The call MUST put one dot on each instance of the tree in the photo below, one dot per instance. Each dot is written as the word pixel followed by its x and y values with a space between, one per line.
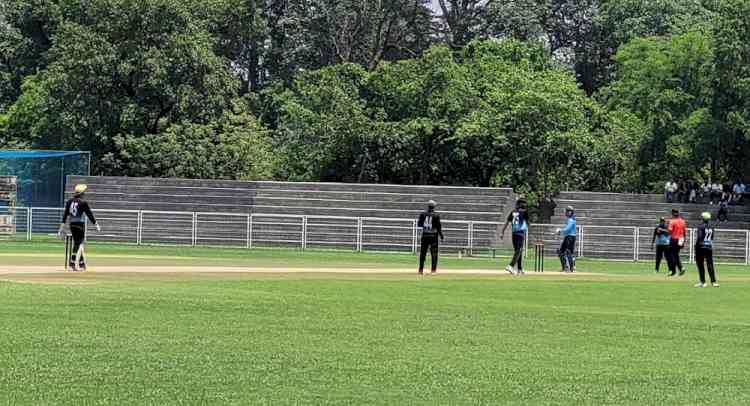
pixel 116 72
pixel 462 19
pixel 668 84
pixel 586 34
pixel 326 131
pixel 313 34
pixel 732 101
pixel 234 146
pixel 241 31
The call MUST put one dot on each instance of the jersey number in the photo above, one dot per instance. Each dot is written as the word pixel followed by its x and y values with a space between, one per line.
pixel 709 236
pixel 516 219
pixel 427 224
pixel 74 209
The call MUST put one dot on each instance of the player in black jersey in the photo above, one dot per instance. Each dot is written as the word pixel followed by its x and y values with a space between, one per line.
pixel 77 209
pixel 429 223
pixel 704 252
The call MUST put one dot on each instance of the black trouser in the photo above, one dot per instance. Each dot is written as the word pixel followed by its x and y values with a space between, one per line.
pixel 429 242
pixel 723 215
pixel 707 255
pixel 78 230
pixel 673 259
pixel 661 252
pixel 567 250
pixel 518 240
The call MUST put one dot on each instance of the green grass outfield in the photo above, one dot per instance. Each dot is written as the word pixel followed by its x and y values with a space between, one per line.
pixel 616 335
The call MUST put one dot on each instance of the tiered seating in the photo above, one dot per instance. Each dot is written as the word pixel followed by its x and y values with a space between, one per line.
pixel 283 210
pixel 620 226
pixel 642 210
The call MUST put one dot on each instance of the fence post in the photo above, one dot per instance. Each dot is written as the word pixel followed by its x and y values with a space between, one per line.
pixel 247 231
pixel 414 237
pixel 195 228
pixel 469 242
pixel 580 242
pixel 304 232
pixel 747 247
pixel 637 244
pixel 139 228
pixel 359 234
pixel 250 231
pixel 29 222
pixel 691 256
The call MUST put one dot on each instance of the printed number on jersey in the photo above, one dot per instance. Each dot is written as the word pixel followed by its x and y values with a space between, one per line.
pixel 427 226
pixel 74 209
pixel 709 236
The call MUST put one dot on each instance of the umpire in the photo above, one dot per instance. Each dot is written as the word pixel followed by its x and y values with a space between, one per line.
pixel 429 222
pixel 77 209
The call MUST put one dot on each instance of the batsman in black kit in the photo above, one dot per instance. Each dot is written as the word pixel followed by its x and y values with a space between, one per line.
pixel 76 209
pixel 429 222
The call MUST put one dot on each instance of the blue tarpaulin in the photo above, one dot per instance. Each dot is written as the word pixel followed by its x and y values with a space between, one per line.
pixel 28 154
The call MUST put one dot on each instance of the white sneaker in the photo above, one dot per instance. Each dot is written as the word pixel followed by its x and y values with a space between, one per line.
pixel 510 270
pixel 715 284
pixel 521 272
pixel 700 285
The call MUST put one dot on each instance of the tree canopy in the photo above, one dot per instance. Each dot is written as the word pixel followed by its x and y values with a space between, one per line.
pixel 541 95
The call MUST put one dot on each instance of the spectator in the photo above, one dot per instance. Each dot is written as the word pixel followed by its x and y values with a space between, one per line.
pixel 682 192
pixel 705 191
pixel 716 191
pixel 723 214
pixel 670 188
pixel 692 198
pixel 737 191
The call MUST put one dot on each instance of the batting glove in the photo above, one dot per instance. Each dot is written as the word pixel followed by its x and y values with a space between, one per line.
pixel 98 227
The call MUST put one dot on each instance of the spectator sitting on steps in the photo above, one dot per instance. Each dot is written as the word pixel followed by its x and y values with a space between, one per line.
pixel 723 214
pixel 737 191
pixel 705 191
pixel 716 191
pixel 670 188
pixel 693 192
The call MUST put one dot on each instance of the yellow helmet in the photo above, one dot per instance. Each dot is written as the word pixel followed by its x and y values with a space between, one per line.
pixel 706 216
pixel 81 189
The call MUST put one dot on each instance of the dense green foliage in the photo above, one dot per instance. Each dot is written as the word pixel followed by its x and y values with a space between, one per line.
pixel 541 95
pixel 616 337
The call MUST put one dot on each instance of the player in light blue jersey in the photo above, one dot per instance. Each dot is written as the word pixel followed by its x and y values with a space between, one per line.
pixel 568 247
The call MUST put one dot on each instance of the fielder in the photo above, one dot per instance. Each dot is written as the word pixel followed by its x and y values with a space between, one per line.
pixel 429 222
pixel 568 247
pixel 75 209
pixel 519 221
pixel 661 238
pixel 704 255
pixel 677 231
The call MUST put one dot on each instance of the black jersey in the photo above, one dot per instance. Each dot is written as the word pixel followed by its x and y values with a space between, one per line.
pixel 429 222
pixel 705 237
pixel 76 208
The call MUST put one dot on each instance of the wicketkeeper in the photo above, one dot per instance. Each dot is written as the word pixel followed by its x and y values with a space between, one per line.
pixel 75 209
pixel 568 247
pixel 429 222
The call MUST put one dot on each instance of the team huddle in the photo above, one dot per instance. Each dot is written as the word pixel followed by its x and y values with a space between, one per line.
pixel 668 237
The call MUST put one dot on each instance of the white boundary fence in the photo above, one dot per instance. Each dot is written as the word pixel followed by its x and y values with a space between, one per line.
pixel 143 227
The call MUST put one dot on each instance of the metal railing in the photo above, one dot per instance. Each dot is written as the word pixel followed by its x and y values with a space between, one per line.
pixel 144 227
